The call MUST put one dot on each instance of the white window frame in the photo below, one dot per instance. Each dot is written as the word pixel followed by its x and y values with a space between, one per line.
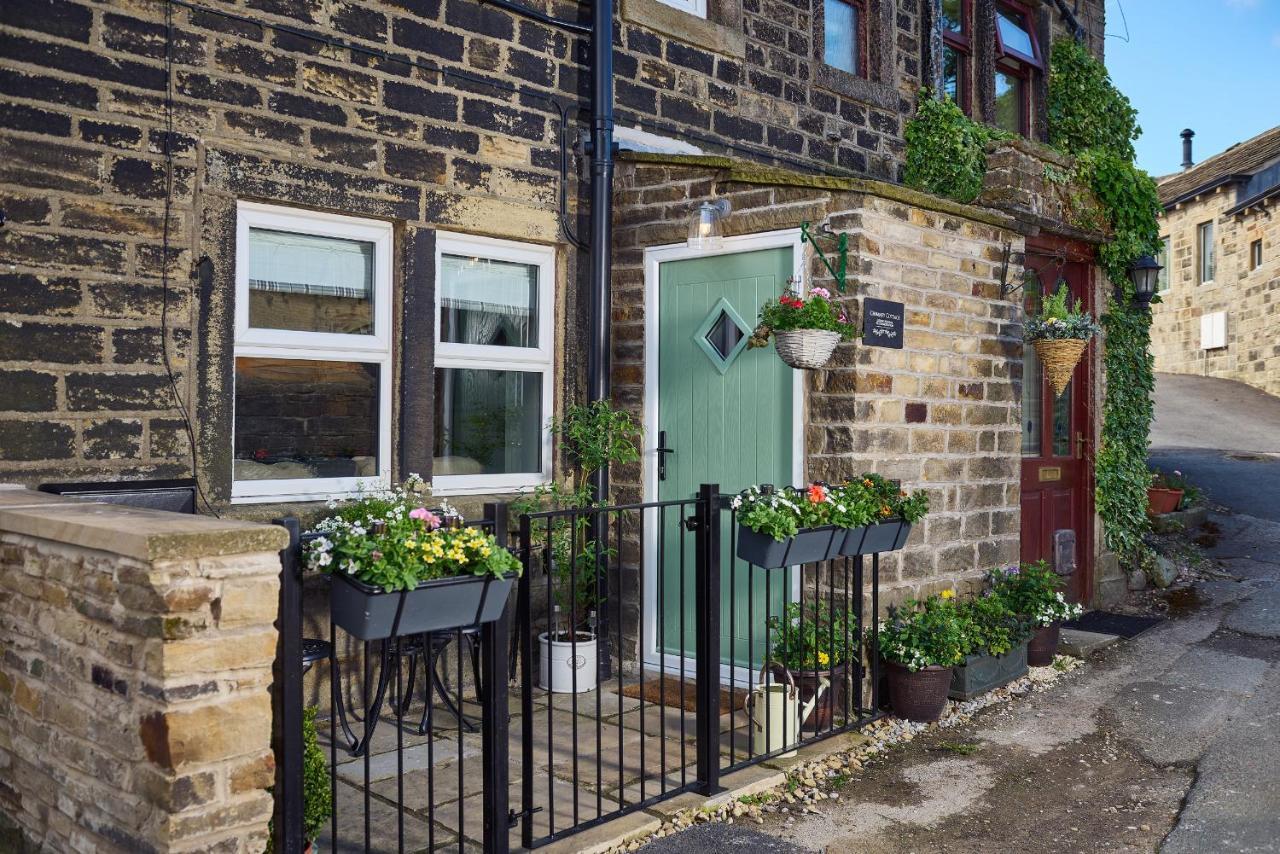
pixel 1166 254
pixel 540 359
pixel 697 8
pixel 317 346
pixel 1209 253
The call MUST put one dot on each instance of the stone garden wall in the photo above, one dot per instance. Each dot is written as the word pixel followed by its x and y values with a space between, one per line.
pixel 135 705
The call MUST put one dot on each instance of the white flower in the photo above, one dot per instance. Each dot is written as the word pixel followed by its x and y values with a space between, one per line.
pixel 324 559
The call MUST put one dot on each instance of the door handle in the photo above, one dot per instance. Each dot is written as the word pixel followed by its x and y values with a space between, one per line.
pixel 1081 441
pixel 663 450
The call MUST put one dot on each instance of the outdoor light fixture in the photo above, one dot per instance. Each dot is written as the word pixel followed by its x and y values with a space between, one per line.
pixel 706 229
pixel 1145 275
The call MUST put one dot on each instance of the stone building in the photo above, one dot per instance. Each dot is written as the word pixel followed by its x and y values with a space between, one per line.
pixel 1220 290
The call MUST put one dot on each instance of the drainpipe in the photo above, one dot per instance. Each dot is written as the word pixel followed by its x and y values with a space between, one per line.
pixel 598 356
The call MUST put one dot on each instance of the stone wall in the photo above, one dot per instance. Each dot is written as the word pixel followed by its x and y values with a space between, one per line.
pixel 135 706
pixel 942 414
pixel 1250 297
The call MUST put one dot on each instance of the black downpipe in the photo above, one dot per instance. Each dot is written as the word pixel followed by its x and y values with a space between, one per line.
pixel 601 241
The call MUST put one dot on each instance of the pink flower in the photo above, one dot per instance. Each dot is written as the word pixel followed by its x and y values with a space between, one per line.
pixel 844 318
pixel 820 292
pixel 431 520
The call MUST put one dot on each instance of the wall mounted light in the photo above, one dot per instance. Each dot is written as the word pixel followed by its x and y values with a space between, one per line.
pixel 706 229
pixel 1145 275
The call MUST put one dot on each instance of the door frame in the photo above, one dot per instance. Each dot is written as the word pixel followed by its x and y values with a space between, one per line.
pixel 654 257
pixel 1076 251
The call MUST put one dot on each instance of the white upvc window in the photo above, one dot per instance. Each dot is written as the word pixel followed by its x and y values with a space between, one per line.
pixel 312 381
pixel 494 353
pixel 697 8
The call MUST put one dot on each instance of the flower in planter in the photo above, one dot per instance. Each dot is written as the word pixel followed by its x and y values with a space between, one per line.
pixel 920 634
pixel 791 312
pixel 1057 320
pixel 1032 592
pixel 820 636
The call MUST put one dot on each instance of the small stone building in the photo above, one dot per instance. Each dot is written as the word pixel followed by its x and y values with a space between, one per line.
pixel 1220 291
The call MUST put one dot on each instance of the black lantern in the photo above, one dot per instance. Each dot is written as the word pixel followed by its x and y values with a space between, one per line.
pixel 1145 275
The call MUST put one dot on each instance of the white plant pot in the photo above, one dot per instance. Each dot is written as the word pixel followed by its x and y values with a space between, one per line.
pixel 560 660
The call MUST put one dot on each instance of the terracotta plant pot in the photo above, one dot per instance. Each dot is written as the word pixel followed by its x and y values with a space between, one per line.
pixel 919 696
pixel 1163 500
pixel 1043 645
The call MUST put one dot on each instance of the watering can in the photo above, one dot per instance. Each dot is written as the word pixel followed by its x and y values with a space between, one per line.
pixel 776 714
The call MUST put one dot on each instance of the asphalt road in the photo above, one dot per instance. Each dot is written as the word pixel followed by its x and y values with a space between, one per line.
pixel 1224 436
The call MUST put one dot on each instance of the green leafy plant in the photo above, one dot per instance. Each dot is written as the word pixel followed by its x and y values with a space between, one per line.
pixel 1033 591
pixel 387 539
pixel 946 150
pixel 815 637
pixel 991 627
pixel 1058 319
pixel 317 794
pixel 1085 110
pixel 920 634
pixel 1175 479
pixel 790 312
pixel 781 513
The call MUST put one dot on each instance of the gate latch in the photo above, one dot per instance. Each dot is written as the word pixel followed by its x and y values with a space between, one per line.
pixel 692 523
pixel 514 816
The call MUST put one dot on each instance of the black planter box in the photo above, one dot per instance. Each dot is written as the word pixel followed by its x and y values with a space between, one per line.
pixel 369 613
pixel 880 537
pixel 807 546
pixel 982 673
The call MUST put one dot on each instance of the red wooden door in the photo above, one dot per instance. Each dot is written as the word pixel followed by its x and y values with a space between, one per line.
pixel 1057 431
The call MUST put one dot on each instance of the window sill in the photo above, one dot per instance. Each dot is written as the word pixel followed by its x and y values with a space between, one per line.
pixel 689 28
pixel 856 88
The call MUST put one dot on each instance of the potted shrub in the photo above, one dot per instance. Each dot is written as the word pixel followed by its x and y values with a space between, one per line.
pixel 812 646
pixel 1168 492
pixel 593 436
pixel 1059 333
pixel 401 569
pixel 920 642
pixel 880 516
pixel 1033 591
pixel 997 642
pixel 317 795
pixel 805 329
pixel 785 527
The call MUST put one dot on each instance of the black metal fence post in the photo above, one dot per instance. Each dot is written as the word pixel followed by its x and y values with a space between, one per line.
pixel 707 643
pixel 289 807
pixel 524 610
pixel 495 716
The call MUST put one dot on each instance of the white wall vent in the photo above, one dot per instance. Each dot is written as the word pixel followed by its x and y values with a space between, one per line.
pixel 1213 330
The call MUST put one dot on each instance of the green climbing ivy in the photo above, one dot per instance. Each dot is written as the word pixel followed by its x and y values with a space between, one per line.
pixel 946 150
pixel 1085 110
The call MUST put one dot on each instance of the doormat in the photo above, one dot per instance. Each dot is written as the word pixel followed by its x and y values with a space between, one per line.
pixel 666 691
pixel 1106 623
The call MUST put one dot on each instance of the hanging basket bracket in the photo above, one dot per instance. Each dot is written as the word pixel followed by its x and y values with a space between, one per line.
pixel 841 251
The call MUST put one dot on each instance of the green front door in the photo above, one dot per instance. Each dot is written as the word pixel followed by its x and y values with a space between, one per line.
pixel 726 413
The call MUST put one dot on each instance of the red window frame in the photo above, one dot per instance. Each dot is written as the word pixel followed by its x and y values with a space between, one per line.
pixel 1015 63
pixel 962 44
pixel 1023 73
pixel 860 38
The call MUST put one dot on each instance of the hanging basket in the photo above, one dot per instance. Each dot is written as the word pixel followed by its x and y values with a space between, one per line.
pixel 1059 357
pixel 806 349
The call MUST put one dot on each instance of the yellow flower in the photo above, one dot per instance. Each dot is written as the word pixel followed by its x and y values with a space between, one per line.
pixel 948 594
pixel 824 659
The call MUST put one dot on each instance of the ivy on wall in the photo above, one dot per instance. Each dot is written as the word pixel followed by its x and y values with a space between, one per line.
pixel 1094 122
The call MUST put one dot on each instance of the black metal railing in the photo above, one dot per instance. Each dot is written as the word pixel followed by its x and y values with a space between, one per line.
pixel 397 764
pixel 681 708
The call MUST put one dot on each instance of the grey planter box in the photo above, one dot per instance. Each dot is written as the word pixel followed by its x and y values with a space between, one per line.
pixel 369 613
pixel 880 537
pixel 809 545
pixel 982 673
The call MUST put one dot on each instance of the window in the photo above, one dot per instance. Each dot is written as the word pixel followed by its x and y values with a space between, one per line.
pixel 844 25
pixel 1204 250
pixel 1017 59
pixel 493 378
pixel 312 381
pixel 1162 258
pixel 1255 254
pixel 956 50
pixel 693 7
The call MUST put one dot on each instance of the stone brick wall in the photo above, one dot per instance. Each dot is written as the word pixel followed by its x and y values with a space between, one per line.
pixel 1250 297
pixel 135 707
pixel 942 414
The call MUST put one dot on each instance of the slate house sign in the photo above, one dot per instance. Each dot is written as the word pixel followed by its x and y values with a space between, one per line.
pixel 882 323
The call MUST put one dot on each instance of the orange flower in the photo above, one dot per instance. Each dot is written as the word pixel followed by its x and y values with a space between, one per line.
pixel 817 494
pixel 866 481
pixel 885 511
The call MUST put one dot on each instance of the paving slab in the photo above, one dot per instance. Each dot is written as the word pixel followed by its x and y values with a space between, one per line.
pixel 1215 670
pixel 1169 724
pixel 719 838
pixel 1081 644
pixel 1259 614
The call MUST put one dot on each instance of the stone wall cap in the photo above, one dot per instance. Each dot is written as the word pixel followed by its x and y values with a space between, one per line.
pixel 138 532
pixel 14 495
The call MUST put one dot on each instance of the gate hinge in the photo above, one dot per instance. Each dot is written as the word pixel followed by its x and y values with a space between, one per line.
pixel 514 816
pixel 692 523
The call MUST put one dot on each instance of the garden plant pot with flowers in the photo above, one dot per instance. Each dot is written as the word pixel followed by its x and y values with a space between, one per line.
pixel 401 569
pixel 920 642
pixel 805 330
pixel 1059 335
pixel 1166 493
pixel 1033 591
pixel 996 644
pixel 788 526
pixel 810 649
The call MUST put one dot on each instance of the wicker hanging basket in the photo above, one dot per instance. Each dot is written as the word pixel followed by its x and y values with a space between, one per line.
pixel 806 349
pixel 1060 357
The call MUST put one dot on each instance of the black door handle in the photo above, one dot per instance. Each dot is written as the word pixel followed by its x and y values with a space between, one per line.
pixel 663 450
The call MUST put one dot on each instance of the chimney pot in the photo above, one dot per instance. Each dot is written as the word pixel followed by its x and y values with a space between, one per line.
pixel 1187 162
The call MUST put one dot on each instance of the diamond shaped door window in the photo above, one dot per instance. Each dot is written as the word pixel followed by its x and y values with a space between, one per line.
pixel 722 335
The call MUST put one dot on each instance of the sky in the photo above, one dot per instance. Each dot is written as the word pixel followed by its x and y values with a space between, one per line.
pixel 1209 65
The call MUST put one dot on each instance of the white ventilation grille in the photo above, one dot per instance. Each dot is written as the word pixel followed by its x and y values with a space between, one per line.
pixel 1213 330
